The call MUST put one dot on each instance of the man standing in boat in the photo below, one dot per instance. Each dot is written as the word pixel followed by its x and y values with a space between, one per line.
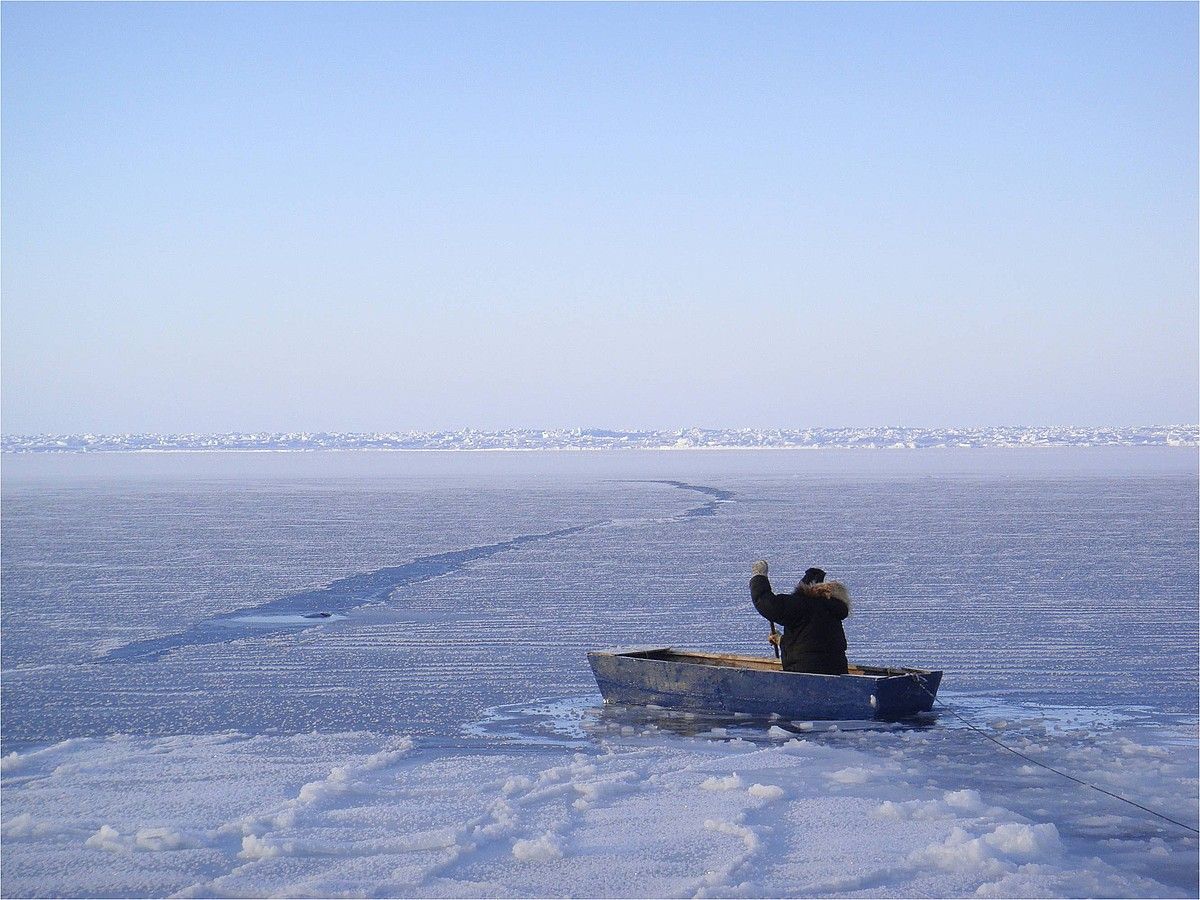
pixel 811 616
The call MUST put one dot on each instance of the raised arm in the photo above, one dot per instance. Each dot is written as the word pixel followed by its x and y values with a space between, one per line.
pixel 769 605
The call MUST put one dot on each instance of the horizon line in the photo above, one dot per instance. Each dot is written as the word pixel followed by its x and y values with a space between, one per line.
pixel 604 429
pixel 845 437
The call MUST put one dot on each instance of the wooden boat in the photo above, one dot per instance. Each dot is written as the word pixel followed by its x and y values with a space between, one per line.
pixel 758 686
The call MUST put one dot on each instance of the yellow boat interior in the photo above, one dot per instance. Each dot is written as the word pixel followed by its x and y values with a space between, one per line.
pixel 746 661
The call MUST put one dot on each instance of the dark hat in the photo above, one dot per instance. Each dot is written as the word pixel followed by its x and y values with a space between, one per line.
pixel 814 576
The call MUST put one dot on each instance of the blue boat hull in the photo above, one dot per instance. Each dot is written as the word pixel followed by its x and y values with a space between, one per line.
pixel 758 686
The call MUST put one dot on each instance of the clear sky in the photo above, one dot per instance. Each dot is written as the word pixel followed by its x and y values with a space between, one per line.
pixel 378 217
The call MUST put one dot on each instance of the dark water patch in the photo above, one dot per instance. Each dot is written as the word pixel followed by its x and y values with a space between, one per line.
pixel 341 597
pixel 338 598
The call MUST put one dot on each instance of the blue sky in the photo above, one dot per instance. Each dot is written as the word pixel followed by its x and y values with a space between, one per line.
pixel 377 216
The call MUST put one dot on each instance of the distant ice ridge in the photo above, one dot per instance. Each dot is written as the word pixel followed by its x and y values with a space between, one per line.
pixel 874 438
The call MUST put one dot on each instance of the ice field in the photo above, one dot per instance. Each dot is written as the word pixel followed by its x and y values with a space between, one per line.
pixel 174 723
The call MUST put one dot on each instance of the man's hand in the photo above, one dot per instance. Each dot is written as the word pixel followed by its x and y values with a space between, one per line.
pixel 774 638
pixel 759 568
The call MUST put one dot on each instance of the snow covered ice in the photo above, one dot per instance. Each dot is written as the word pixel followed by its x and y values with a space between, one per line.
pixel 173 725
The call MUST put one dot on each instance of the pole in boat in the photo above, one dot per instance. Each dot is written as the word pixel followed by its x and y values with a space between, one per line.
pixel 760 568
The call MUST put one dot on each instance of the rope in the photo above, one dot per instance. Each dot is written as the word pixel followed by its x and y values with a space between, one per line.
pixel 1050 768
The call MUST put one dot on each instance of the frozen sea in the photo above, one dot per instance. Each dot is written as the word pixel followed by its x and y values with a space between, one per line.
pixel 173 724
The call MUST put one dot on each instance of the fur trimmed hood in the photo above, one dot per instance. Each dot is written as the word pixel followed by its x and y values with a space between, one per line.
pixel 834 590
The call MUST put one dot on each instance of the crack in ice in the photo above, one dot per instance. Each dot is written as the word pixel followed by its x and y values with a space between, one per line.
pixel 346 594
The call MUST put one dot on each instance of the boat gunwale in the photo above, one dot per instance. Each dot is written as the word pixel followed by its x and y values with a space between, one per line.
pixel 698 657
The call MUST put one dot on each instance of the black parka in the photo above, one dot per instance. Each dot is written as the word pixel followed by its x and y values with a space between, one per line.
pixel 813 639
